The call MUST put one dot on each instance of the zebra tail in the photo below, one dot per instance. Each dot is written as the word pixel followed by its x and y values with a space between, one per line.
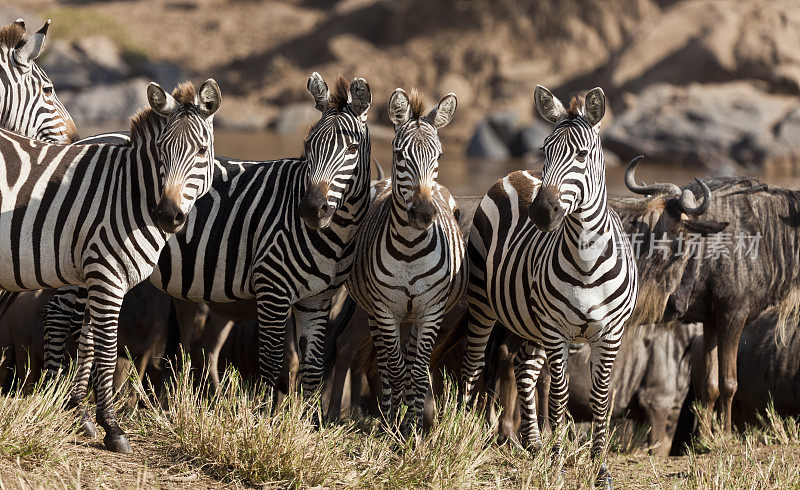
pixel 7 298
pixel 336 326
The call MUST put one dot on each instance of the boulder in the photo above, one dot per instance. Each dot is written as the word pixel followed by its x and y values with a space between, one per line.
pixel 294 118
pixel 103 104
pixel 65 66
pixel 486 144
pixel 103 57
pixel 529 139
pixel 722 127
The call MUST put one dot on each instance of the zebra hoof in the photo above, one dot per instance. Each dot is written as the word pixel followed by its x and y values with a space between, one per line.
pixel 604 479
pixel 88 428
pixel 117 443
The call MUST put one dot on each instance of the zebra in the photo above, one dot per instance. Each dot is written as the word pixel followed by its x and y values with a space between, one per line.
pixel 278 232
pixel 99 215
pixel 409 260
pixel 28 103
pixel 549 260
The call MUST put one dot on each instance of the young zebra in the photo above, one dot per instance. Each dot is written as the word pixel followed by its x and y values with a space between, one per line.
pixel 99 216
pixel 28 104
pixel 409 254
pixel 278 232
pixel 549 260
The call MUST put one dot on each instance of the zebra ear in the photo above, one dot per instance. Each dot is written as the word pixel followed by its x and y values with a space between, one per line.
pixel 443 112
pixel 360 96
pixel 399 107
pixel 210 98
pixel 161 101
pixel 20 23
pixel 595 105
pixel 33 47
pixel 319 90
pixel 548 104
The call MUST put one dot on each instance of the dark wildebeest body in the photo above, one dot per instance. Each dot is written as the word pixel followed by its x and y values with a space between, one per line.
pixel 758 268
pixel 144 331
pixel 767 370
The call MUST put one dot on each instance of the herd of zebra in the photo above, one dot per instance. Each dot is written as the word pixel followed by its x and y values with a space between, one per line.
pixel 546 256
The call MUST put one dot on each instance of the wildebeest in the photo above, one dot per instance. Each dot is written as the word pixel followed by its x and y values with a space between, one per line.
pixel 767 370
pixel 728 277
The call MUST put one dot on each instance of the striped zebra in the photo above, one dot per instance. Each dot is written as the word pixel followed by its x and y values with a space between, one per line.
pixel 99 216
pixel 277 232
pixel 28 103
pixel 409 254
pixel 550 261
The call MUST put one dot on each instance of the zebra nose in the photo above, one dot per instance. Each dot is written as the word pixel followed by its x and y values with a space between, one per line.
pixel 169 216
pixel 421 214
pixel 545 210
pixel 314 208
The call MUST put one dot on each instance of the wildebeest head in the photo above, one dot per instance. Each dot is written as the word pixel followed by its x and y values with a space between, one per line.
pixel 664 227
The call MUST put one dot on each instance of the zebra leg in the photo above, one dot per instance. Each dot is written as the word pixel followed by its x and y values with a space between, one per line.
pixel 103 307
pixel 481 322
pixel 385 334
pixel 557 355
pixel 600 363
pixel 310 319
pixel 62 316
pixel 273 313
pixel 527 365
pixel 426 333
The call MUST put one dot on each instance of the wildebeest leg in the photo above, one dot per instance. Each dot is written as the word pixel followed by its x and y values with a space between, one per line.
pixel 709 391
pixel 543 395
pixel 506 390
pixel 216 331
pixel 291 356
pixel 344 358
pixel 527 365
pixel 730 331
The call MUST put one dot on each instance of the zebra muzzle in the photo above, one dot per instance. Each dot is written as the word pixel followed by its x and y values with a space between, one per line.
pixel 545 210
pixel 169 216
pixel 314 208
pixel 421 213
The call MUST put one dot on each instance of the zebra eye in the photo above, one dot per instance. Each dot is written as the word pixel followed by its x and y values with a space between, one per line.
pixel 202 151
pixel 582 155
pixel 398 154
pixel 47 90
pixel 352 148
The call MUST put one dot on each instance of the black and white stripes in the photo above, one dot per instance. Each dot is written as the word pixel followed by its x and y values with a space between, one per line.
pixel 28 103
pixel 549 260
pixel 92 215
pixel 409 262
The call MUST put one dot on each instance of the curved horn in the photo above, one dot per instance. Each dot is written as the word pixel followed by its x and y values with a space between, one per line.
pixel 689 204
pixel 647 190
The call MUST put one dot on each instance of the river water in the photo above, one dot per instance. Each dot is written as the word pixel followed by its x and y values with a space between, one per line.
pixel 461 175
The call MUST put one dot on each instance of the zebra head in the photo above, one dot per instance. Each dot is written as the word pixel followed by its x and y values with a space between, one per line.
pixel 574 170
pixel 336 146
pixel 416 152
pixel 29 105
pixel 185 148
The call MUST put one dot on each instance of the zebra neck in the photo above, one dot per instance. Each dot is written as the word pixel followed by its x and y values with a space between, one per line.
pixel 355 202
pixel 589 228
pixel 400 230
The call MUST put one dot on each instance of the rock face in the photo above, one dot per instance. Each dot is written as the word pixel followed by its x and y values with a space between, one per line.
pixel 722 127
pixel 114 103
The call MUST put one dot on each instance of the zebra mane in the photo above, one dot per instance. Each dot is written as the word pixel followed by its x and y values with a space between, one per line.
pixel 575 106
pixel 340 95
pixel 12 35
pixel 416 103
pixel 147 118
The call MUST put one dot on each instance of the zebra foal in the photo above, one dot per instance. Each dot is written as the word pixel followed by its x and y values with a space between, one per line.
pixel 99 215
pixel 550 261
pixel 409 260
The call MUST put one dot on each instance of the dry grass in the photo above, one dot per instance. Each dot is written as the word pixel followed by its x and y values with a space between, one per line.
pixel 236 437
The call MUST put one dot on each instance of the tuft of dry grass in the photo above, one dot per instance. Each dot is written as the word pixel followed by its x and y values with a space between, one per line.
pixel 34 427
